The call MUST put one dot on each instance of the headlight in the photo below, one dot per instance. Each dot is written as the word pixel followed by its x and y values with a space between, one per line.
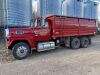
pixel 19 32
pixel 6 32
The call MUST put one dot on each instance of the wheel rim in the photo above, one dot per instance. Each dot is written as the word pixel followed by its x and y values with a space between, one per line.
pixel 76 44
pixel 22 51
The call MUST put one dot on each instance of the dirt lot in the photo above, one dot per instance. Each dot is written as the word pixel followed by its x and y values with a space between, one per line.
pixel 5 55
pixel 63 61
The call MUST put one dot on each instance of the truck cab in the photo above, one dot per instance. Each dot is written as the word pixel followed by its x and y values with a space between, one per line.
pixel 41 29
pixel 21 40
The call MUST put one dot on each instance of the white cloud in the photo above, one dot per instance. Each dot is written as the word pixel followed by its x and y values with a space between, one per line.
pixel 34 5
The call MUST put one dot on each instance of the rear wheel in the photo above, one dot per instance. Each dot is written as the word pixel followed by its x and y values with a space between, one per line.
pixel 84 42
pixel 20 50
pixel 75 43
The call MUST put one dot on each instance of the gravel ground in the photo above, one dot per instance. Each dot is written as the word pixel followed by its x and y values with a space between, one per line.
pixel 62 61
pixel 5 55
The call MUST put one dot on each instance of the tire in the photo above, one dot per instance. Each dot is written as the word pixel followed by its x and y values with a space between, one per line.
pixel 20 50
pixel 75 43
pixel 84 42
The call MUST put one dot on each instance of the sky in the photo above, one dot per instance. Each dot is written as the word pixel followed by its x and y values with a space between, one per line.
pixel 34 5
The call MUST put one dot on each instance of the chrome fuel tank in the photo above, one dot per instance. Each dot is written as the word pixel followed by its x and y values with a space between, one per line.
pixel 45 46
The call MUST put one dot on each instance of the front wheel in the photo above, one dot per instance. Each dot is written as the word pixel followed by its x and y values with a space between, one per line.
pixel 20 50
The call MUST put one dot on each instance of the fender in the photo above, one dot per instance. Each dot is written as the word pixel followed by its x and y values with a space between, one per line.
pixel 29 40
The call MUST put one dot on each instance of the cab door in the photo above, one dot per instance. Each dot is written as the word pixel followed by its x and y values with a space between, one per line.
pixel 42 31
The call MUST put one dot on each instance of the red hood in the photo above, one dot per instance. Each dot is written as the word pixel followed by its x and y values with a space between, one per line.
pixel 20 30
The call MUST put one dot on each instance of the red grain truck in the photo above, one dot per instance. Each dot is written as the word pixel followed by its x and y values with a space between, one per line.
pixel 49 33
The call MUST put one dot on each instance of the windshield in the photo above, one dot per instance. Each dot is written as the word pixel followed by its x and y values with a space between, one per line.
pixel 32 23
pixel 39 23
pixel 42 23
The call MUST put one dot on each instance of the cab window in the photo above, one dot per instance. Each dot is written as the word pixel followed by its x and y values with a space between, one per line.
pixel 46 23
pixel 39 23
pixel 42 23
